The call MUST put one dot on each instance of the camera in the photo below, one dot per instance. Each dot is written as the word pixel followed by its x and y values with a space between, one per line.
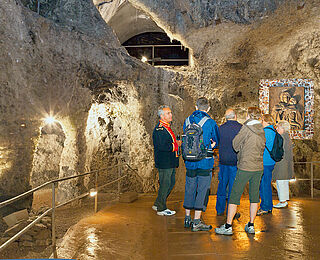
pixel 210 153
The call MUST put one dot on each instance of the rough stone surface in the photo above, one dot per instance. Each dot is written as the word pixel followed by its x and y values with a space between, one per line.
pixel 49 150
pixel 38 235
pixel 185 15
pixel 67 62
pixel 42 73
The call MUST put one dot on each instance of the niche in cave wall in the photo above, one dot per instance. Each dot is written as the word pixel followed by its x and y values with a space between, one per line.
pixel 46 161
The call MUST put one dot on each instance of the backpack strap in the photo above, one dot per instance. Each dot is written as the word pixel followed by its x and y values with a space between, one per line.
pixel 188 121
pixel 203 120
pixel 252 131
pixel 271 129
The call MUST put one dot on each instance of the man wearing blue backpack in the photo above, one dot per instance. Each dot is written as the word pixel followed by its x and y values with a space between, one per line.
pixel 197 153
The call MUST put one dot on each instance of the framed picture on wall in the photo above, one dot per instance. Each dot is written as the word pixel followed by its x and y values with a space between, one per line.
pixel 291 100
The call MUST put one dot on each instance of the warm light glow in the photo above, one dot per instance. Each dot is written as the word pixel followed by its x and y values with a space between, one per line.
pixel 5 162
pixel 92 243
pixel 144 59
pixel 93 192
pixel 293 180
pixel 49 120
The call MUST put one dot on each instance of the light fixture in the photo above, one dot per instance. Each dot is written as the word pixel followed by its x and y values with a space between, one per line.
pixel 144 59
pixel 93 192
pixel 49 120
pixel 293 180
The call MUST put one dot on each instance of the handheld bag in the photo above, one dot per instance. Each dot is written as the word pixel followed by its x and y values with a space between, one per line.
pixel 277 151
pixel 193 148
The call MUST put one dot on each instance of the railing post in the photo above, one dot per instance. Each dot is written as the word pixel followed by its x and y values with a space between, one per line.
pixel 311 180
pixel 96 196
pixel 152 55
pixel 119 182
pixel 53 224
pixel 38 7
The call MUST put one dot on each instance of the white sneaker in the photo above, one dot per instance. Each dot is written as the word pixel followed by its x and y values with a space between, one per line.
pixel 250 229
pixel 281 205
pixel 223 230
pixel 154 207
pixel 166 212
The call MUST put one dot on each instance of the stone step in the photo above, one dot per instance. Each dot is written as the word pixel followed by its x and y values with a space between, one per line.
pixel 128 197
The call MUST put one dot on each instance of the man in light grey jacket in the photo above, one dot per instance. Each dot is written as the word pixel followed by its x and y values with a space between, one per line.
pixel 249 144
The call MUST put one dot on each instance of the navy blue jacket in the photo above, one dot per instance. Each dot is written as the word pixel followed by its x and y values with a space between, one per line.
pixel 165 152
pixel 210 131
pixel 227 155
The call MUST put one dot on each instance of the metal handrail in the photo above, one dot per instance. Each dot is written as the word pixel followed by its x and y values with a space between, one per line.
pixel 306 162
pixel 9 201
pixel 53 183
pixel 311 175
pixel 153 46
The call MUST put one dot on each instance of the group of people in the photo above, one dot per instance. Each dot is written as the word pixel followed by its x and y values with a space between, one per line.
pixel 244 157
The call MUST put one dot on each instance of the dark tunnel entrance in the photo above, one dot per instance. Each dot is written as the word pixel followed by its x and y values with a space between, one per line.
pixel 157 49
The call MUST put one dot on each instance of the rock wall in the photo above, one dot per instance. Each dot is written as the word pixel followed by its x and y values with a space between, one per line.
pixel 67 62
pixel 231 54
pixel 46 159
pixel 60 67
pixel 184 15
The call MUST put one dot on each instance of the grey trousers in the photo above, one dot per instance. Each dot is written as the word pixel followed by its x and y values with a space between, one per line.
pixel 167 179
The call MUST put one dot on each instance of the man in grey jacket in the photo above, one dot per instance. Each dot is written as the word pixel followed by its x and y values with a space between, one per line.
pixel 249 144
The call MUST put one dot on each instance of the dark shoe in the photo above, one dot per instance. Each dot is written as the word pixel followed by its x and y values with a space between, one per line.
pixel 263 212
pixel 200 226
pixel 187 222
pixel 237 215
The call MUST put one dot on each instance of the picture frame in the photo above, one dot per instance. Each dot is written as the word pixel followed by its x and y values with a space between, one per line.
pixel 291 100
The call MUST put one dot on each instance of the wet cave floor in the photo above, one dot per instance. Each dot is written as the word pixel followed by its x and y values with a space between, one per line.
pixel 135 231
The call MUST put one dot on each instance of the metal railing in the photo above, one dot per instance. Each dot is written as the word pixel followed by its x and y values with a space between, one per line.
pixel 53 184
pixel 158 59
pixel 312 179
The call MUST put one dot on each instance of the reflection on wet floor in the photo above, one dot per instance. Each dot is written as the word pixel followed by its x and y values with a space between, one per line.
pixel 134 231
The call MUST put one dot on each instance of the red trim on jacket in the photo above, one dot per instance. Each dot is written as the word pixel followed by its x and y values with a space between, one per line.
pixel 168 128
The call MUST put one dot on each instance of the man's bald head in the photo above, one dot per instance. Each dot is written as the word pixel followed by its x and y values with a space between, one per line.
pixel 230 114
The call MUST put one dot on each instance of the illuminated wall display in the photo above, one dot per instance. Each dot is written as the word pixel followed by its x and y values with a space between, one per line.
pixel 291 100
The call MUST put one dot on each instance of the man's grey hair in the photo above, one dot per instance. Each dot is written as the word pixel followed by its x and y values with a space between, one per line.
pixel 203 104
pixel 231 114
pixel 285 125
pixel 160 110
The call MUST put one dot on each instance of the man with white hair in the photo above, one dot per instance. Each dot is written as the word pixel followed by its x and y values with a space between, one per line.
pixel 227 160
pixel 166 159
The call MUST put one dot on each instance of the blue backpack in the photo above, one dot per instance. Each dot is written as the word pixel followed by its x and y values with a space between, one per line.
pixel 193 148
